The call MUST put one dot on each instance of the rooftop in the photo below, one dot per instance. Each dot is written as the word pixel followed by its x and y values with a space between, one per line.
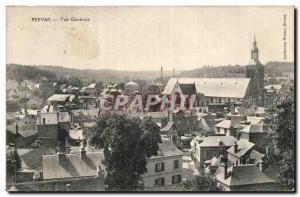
pixel 243 146
pixel 73 166
pixel 214 141
pixel 243 175
pixel 213 87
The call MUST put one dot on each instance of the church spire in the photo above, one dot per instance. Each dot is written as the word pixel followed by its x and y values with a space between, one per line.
pixel 254 51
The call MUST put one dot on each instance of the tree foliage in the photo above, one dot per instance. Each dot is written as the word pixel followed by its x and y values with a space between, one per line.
pixel 127 143
pixel 281 119
pixel 202 183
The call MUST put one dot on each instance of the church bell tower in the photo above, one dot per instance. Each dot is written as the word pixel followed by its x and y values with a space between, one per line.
pixel 255 71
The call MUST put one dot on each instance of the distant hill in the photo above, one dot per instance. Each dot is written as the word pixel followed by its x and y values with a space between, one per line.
pixel 271 68
pixel 20 73
pixel 36 73
pixel 104 75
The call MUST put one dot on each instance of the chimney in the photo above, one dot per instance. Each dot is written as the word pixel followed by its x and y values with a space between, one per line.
pixel 224 167
pixel 220 142
pixel 232 109
pixel 83 149
pixel 237 136
pixel 235 147
pixel 17 129
pixel 61 157
pixel 161 74
pixel 261 165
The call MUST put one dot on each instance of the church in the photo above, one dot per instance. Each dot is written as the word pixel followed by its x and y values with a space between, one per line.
pixel 255 71
pixel 213 94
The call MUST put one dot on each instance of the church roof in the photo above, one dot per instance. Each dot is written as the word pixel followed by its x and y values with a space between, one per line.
pixel 213 87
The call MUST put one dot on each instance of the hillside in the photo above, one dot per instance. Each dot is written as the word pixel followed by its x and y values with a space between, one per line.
pixel 37 73
pixel 105 76
pixel 20 73
pixel 271 68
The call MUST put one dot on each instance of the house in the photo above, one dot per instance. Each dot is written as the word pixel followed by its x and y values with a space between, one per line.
pixel 21 135
pixel 47 127
pixel 83 116
pixel 82 171
pixel 87 102
pixel 228 127
pixel 131 87
pixel 242 153
pixel 19 93
pixel 212 146
pixel 186 121
pixel 63 101
pixel 255 133
pixel 244 178
pixel 91 89
pixel 31 160
pixel 34 103
pixel 171 131
pixel 64 120
pixel 164 171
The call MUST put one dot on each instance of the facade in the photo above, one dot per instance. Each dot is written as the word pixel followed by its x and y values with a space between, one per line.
pixel 164 171
pixel 47 127
pixel 212 146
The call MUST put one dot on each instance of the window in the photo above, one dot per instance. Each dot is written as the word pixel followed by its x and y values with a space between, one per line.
pixel 225 131
pixel 211 100
pixel 220 100
pixel 44 120
pixel 176 164
pixel 176 179
pixel 159 167
pixel 160 181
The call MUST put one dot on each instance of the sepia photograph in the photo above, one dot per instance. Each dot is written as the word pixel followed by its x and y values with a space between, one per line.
pixel 150 99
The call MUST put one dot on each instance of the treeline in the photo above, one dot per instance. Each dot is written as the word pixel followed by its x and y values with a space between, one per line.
pixel 271 68
pixel 21 73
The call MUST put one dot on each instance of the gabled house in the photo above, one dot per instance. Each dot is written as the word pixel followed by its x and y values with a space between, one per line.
pixel 172 132
pixel 244 178
pixel 164 171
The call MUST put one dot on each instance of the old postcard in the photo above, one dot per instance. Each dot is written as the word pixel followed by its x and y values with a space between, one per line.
pixel 150 99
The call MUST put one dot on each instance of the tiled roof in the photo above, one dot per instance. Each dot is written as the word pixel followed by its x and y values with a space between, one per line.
pixel 253 128
pixel 167 127
pixel 243 175
pixel 213 87
pixel 92 85
pixel 224 124
pixel 33 160
pixel 76 134
pixel 167 149
pixel 213 141
pixel 257 156
pixel 50 118
pixel 188 89
pixel 73 166
pixel 23 130
pixel 59 97
pixel 255 119
pixel 243 147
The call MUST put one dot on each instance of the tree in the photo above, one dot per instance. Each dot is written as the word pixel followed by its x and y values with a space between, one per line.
pixel 280 117
pixel 75 82
pixel 202 183
pixel 127 144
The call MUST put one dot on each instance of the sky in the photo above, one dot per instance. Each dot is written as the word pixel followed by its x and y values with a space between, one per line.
pixel 146 38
